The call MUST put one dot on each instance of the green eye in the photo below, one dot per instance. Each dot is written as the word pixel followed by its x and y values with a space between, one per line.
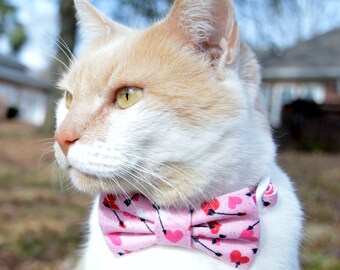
pixel 68 99
pixel 128 96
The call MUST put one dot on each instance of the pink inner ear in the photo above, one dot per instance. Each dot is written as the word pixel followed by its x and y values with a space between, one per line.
pixel 205 24
pixel 233 45
pixel 94 25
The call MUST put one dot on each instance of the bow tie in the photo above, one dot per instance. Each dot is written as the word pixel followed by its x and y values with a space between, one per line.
pixel 227 227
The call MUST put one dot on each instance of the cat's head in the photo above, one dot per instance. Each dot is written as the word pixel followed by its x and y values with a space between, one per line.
pixel 170 111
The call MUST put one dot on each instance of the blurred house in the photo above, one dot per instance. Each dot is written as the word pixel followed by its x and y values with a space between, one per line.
pixel 301 87
pixel 22 95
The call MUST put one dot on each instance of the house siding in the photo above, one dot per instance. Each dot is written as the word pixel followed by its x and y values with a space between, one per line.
pixel 22 91
pixel 31 102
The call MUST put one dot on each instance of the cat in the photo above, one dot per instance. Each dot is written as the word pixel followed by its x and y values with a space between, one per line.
pixel 172 112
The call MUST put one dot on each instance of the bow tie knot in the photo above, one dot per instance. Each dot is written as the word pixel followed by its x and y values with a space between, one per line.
pixel 227 227
pixel 170 231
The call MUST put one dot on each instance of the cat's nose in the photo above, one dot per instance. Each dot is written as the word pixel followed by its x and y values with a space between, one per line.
pixel 65 138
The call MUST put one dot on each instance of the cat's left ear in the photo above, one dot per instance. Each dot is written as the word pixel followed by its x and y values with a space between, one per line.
pixel 209 25
pixel 94 25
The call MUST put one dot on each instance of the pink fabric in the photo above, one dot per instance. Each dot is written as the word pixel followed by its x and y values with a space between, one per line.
pixel 227 227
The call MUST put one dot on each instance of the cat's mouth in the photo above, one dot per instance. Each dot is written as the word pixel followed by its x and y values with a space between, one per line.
pixel 77 174
pixel 89 174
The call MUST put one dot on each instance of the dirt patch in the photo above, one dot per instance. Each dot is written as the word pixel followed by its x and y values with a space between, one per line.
pixel 43 220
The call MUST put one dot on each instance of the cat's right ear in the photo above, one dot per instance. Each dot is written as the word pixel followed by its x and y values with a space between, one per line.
pixel 209 26
pixel 94 25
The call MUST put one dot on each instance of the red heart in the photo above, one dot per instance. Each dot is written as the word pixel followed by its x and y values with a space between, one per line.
pixel 212 205
pixel 248 235
pixel 233 202
pixel 214 227
pixel 110 200
pixel 115 238
pixel 236 257
pixel 135 198
pixel 175 236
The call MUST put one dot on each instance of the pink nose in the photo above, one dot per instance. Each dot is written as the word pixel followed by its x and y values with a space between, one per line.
pixel 65 138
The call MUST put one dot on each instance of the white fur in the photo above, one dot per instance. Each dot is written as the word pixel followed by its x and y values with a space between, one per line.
pixel 252 153
pixel 227 155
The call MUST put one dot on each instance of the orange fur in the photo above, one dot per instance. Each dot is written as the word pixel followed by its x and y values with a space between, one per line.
pixel 196 79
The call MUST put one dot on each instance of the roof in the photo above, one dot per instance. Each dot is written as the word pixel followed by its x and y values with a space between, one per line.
pixel 318 57
pixel 11 62
pixel 13 71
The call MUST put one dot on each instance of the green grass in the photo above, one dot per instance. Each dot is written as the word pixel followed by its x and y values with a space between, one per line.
pixel 317 178
pixel 41 218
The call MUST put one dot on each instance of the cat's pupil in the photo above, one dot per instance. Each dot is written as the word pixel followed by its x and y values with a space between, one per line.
pixel 127 95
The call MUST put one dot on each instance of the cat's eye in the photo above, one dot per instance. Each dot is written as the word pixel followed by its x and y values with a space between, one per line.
pixel 68 99
pixel 128 96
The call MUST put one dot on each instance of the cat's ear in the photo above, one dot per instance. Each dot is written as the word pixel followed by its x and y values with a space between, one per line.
pixel 209 25
pixel 94 25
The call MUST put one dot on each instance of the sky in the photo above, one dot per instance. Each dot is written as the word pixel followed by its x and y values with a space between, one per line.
pixel 40 18
pixel 264 28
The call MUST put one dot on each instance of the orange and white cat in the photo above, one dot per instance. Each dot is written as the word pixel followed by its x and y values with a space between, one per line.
pixel 172 112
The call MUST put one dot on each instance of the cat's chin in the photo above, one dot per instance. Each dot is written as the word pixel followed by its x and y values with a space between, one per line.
pixel 93 185
pixel 90 184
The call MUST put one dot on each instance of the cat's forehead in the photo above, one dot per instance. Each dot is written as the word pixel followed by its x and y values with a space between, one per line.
pixel 94 66
pixel 170 72
pixel 145 56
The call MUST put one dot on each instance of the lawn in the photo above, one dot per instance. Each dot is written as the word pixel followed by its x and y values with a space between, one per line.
pixel 41 216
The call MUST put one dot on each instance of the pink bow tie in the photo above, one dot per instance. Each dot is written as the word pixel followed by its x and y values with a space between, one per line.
pixel 227 227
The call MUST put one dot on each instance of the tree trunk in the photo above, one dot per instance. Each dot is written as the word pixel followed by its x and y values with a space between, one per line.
pixel 66 42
